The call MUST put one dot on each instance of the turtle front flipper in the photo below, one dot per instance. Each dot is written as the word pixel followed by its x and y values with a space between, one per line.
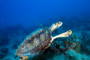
pixel 65 34
pixel 24 58
pixel 55 26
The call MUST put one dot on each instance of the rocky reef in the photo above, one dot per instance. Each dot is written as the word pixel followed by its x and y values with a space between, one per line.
pixel 75 47
pixel 64 49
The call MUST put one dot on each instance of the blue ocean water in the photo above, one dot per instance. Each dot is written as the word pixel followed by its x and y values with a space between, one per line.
pixel 18 18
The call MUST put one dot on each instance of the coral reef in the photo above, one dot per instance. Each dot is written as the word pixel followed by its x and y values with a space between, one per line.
pixel 75 47
pixel 4 50
pixel 72 55
pixel 69 49
pixel 2 56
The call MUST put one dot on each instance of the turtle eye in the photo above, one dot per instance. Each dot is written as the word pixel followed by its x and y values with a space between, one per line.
pixel 21 58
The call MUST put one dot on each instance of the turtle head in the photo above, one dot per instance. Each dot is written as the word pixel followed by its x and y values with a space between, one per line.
pixel 55 26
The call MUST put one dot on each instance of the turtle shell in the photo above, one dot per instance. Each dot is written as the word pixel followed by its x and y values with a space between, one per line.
pixel 35 43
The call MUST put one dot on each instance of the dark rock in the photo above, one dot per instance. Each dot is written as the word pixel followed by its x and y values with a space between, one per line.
pixel 15 46
pixel 4 40
pixel 4 50
pixel 2 56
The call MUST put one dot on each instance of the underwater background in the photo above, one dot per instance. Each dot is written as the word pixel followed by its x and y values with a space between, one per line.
pixel 18 18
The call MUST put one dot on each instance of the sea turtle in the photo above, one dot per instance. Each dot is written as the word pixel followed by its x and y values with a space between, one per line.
pixel 39 40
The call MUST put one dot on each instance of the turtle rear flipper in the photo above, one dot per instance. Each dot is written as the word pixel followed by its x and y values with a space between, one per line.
pixel 40 25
